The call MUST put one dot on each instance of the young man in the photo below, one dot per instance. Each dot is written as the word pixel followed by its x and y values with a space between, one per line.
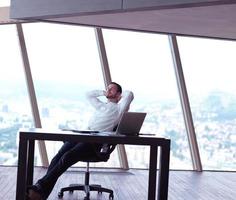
pixel 106 117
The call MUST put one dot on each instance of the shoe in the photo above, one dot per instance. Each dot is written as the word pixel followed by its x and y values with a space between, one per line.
pixel 34 195
pixel 27 197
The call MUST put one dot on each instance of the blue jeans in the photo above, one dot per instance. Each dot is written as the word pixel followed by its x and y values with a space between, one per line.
pixel 69 154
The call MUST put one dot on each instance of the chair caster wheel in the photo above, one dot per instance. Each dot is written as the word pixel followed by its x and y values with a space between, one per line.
pixel 111 197
pixel 60 195
pixel 71 191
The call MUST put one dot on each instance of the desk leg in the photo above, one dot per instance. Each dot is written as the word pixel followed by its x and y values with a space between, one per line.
pixel 152 173
pixel 30 164
pixel 163 178
pixel 21 170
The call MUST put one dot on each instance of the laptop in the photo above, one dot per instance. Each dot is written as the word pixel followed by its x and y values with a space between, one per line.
pixel 130 123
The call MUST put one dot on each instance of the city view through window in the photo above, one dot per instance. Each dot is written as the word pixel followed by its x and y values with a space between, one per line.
pixel 65 65
pixel 209 67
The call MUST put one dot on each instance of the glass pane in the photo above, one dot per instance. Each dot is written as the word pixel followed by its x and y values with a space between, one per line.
pixel 209 68
pixel 142 63
pixel 15 109
pixel 65 64
pixel 4 3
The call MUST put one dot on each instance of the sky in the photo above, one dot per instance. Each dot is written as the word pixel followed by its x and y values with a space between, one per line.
pixel 69 54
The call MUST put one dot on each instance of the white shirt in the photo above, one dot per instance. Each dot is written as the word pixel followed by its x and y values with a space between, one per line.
pixel 107 114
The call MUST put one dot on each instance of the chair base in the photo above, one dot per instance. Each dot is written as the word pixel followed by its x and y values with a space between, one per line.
pixel 86 188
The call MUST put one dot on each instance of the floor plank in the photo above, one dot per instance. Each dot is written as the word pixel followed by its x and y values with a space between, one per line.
pixel 132 184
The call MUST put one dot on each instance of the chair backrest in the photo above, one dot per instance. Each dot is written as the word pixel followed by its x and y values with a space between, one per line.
pixel 105 152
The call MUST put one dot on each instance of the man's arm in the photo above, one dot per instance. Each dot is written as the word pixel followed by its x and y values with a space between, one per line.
pixel 92 97
pixel 126 99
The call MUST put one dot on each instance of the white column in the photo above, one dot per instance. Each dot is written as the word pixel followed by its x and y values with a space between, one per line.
pixel 31 91
pixel 192 139
pixel 107 79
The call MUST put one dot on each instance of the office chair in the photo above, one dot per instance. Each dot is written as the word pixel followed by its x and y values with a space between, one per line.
pixel 101 156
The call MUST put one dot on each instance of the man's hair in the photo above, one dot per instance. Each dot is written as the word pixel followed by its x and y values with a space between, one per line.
pixel 119 88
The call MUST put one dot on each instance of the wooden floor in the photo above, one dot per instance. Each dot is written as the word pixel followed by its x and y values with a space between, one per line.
pixel 132 184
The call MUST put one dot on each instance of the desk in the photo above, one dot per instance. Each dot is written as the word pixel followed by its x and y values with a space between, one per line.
pixel 27 147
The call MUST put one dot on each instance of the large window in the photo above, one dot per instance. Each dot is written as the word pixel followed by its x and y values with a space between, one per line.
pixel 209 68
pixel 15 110
pixel 65 65
pixel 4 3
pixel 142 63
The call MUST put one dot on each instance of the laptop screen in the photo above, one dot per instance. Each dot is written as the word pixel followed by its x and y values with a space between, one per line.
pixel 131 123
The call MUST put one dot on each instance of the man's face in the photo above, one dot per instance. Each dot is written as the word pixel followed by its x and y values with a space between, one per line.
pixel 111 92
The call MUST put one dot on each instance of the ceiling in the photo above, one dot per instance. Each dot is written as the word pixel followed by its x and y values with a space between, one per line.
pixel 215 21
pixel 211 21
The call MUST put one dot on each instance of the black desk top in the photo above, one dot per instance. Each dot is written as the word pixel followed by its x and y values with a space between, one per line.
pixel 106 137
